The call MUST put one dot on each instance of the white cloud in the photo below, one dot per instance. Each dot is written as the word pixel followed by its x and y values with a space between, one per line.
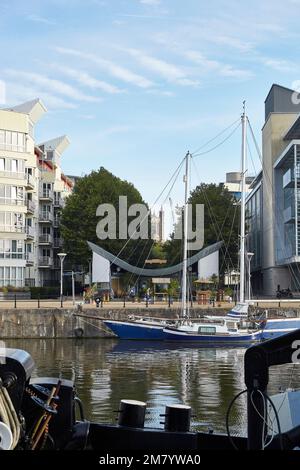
pixel 40 19
pixel 280 65
pixel 113 69
pixel 17 93
pixel 115 130
pixel 150 2
pixel 53 85
pixel 87 80
pixel 168 71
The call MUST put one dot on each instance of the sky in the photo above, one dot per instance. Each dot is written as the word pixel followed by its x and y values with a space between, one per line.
pixel 135 84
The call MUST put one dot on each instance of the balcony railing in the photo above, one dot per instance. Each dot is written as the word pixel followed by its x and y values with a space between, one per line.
pixel 12 228
pixel 45 261
pixel 46 194
pixel 30 258
pixel 30 205
pixel 45 238
pixel 56 221
pixel 12 255
pixel 288 215
pixel 57 242
pixel 11 202
pixel 13 175
pixel 45 217
pixel 30 232
pixel 30 180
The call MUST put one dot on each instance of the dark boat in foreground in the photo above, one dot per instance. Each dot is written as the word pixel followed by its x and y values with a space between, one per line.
pixel 40 413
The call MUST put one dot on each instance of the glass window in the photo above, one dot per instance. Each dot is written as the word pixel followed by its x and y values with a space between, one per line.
pixel 14 166
pixel 2 164
pixel 207 330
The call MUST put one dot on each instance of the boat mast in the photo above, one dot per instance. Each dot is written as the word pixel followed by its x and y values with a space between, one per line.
pixel 243 205
pixel 185 236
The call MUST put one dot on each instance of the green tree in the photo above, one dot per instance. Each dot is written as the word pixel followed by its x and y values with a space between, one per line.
pixel 79 220
pixel 221 223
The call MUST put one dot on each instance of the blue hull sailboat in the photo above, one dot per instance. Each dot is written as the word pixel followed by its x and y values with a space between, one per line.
pixel 136 329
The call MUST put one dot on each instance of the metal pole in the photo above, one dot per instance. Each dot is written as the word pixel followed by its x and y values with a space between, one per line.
pixel 249 280
pixel 61 281
pixel 73 288
pixel 243 204
pixel 185 228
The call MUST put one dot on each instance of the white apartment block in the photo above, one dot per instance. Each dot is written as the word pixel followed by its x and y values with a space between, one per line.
pixel 32 193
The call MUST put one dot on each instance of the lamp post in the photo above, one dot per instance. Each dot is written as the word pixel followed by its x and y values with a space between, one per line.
pixel 61 257
pixel 249 256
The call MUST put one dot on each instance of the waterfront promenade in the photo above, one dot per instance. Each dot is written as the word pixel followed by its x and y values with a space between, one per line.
pixel 129 305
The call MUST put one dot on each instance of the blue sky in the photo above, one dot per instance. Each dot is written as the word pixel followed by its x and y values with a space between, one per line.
pixel 137 83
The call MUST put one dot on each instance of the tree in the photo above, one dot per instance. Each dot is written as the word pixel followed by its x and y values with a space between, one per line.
pixel 79 220
pixel 221 223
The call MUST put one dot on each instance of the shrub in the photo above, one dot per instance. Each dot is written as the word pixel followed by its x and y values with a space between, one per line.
pixel 44 292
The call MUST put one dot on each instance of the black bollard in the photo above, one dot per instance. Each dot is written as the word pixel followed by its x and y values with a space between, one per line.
pixel 177 418
pixel 132 413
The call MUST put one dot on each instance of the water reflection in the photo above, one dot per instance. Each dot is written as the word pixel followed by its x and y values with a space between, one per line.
pixel 105 371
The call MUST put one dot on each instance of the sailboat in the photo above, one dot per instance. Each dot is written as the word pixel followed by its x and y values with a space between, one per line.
pixel 234 327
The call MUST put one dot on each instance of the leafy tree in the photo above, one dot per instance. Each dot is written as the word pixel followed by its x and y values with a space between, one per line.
pixel 221 222
pixel 158 251
pixel 79 220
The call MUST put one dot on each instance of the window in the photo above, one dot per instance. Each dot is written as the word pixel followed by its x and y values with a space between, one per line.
pixel 10 140
pixel 207 330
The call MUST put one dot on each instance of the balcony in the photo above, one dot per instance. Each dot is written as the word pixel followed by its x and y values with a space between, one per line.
pixel 289 215
pixel 30 206
pixel 56 221
pixel 45 239
pixel 11 202
pixel 30 181
pixel 45 217
pixel 29 259
pixel 14 175
pixel 30 232
pixel 12 228
pixel 57 243
pixel 58 201
pixel 45 262
pixel 46 195
pixel 12 255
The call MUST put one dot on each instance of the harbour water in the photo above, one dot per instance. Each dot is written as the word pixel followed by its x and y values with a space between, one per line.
pixel 106 371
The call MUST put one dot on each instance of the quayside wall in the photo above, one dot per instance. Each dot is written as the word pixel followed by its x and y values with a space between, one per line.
pixel 72 323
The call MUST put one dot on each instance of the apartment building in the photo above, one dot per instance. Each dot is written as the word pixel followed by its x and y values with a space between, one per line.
pixel 30 178
pixel 273 206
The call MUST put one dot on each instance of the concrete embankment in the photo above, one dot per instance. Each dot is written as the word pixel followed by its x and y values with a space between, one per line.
pixel 70 323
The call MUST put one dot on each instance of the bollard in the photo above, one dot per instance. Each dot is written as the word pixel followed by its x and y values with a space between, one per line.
pixel 169 300
pixel 124 302
pixel 39 298
pixel 177 418
pixel 15 300
pixel 132 413
pixel 97 300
